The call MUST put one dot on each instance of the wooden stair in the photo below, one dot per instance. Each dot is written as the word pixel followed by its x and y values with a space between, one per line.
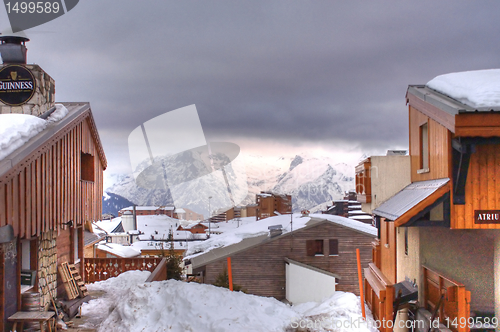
pixel 73 282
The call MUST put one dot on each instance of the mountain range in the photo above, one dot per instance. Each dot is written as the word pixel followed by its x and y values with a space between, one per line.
pixel 313 182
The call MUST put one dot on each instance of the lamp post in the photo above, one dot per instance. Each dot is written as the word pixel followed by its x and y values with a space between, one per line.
pixel 209 215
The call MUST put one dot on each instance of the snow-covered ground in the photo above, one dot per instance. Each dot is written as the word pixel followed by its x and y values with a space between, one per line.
pixel 129 304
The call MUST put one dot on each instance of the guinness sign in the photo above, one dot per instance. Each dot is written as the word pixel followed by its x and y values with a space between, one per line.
pixel 17 85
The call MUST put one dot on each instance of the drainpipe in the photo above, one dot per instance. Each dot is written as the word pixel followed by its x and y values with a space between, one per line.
pixel 135 219
pixel 496 275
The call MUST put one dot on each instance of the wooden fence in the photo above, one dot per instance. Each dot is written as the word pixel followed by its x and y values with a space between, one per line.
pixel 98 269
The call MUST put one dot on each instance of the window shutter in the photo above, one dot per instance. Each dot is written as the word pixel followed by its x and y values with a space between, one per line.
pixel 310 247
pixel 334 247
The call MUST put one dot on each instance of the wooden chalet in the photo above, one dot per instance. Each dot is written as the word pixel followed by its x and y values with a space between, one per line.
pixel 261 265
pixel 149 211
pixel 269 204
pixel 440 233
pixel 49 187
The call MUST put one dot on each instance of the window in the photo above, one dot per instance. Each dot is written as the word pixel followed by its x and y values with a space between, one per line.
pixel 87 169
pixel 334 247
pixel 314 247
pixel 76 240
pixel 406 241
pixel 424 148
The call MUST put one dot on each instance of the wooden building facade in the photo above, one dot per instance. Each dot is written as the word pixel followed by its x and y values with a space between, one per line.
pixel 258 264
pixel 48 188
pixel 441 231
pixel 268 204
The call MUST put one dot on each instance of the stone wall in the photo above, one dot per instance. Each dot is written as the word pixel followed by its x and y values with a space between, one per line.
pixel 43 98
pixel 47 267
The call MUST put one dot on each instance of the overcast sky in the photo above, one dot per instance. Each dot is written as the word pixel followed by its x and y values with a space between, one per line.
pixel 272 76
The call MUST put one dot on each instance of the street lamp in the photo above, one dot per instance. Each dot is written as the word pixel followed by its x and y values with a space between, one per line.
pixel 209 215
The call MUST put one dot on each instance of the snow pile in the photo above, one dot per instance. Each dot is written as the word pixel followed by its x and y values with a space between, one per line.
pixel 129 304
pixel 16 130
pixel 179 306
pixel 60 112
pixel 340 312
pixel 480 88
pixel 247 231
pixel 115 289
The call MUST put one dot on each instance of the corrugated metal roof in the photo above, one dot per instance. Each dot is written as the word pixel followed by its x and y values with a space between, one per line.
pixel 91 238
pixel 407 198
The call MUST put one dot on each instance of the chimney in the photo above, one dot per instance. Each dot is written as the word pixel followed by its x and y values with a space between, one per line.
pixel 13 49
pixel 25 88
pixel 275 230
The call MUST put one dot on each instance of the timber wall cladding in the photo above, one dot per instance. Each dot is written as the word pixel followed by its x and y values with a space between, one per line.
pixel 261 270
pixel 482 189
pixel 439 147
pixel 45 189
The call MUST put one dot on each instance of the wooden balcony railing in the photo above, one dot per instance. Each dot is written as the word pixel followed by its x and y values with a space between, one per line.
pixel 98 269
pixel 160 273
pixel 379 295
pixel 454 306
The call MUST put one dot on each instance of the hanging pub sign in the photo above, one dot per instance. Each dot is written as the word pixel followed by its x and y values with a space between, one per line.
pixel 17 85
pixel 487 216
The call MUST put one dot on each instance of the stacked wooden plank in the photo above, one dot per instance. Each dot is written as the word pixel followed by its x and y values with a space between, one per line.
pixel 73 282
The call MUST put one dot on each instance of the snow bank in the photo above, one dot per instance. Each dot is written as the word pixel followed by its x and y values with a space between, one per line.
pixel 480 88
pixel 340 312
pixel 131 305
pixel 99 309
pixel 179 306
pixel 60 112
pixel 16 130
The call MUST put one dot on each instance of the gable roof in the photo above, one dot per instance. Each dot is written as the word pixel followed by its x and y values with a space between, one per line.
pixel 413 199
pixel 77 112
pixel 215 254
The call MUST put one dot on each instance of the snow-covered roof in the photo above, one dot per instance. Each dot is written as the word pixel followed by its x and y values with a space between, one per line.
pixel 165 245
pixel 119 250
pixel 257 232
pixel 17 129
pixel 479 88
pixel 22 135
pixel 149 208
pixel 108 226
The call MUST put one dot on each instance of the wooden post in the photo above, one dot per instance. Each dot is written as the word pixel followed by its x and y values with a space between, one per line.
pixel 230 274
pixel 360 277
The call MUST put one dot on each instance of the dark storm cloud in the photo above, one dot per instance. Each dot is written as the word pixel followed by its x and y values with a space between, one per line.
pixel 286 70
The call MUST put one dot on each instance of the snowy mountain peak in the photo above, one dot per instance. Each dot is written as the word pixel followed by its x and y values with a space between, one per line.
pixel 295 162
